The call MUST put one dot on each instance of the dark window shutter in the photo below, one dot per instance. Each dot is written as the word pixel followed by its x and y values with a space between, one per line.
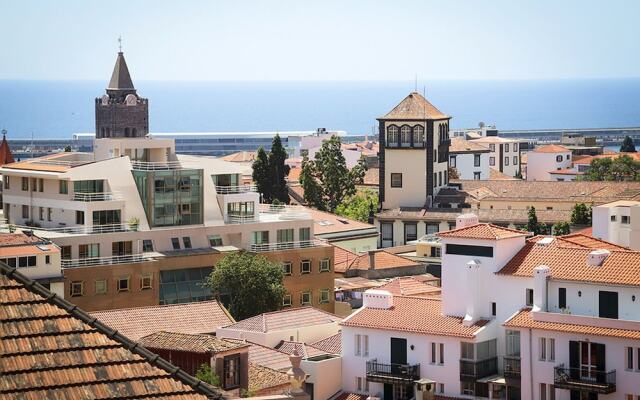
pixel 574 357
pixel 562 297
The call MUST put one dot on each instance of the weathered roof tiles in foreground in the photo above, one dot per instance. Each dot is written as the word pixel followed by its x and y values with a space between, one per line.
pixel 483 231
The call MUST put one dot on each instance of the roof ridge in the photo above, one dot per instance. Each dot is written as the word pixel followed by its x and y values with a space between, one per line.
pixel 134 347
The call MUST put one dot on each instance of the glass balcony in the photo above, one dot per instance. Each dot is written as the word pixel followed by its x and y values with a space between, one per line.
pixel 102 196
pixel 236 189
pixel 392 373
pixel 472 370
pixel 511 366
pixel 585 379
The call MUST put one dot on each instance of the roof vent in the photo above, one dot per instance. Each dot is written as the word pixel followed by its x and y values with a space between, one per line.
pixel 545 241
pixel 597 257
pixel 373 298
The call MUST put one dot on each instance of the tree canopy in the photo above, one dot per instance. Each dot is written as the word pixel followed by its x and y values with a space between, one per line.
pixel 532 222
pixel 581 214
pixel 359 205
pixel 206 374
pixel 247 284
pixel 627 145
pixel 561 228
pixel 270 172
pixel 622 168
pixel 326 180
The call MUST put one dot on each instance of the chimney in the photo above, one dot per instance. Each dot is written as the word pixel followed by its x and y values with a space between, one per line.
pixel 473 293
pixel 374 298
pixel 541 275
pixel 597 257
pixel 464 220
pixel 372 259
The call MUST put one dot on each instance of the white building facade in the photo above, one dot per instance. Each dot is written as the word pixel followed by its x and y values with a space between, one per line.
pixel 618 222
pixel 504 155
pixel 544 160
pixel 469 159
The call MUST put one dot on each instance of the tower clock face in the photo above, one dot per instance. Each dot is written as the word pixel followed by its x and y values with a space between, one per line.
pixel 131 100
pixel 105 100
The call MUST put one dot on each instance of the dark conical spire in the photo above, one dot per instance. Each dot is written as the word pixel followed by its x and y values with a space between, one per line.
pixel 120 79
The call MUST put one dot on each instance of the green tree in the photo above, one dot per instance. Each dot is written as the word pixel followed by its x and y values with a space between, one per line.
pixel 206 374
pixel 247 284
pixel 67 149
pixel 328 179
pixel 627 145
pixel 561 228
pixel 261 175
pixel 622 168
pixel 532 222
pixel 359 205
pixel 581 214
pixel 279 171
pixel 453 173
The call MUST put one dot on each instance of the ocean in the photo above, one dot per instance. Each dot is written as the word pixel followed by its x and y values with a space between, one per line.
pixel 57 109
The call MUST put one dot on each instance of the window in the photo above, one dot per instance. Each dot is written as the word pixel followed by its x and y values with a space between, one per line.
pixel 552 349
pixel 476 176
pixel 185 285
pixel 65 252
pixel 433 352
pixel 467 351
pixel 386 234
pixel 432 228
pixel 358 384
pixel 543 391
pixel 506 161
pixel 493 308
pixel 286 300
pixel 63 187
pixel 469 250
pixel 542 349
pixel 304 234
pixel 6 181
pixel 28 261
pixel 410 231
pixel 286 268
pixel 40 185
pixel 101 286
pixel 186 240
pixel 418 135
pixel 80 217
pixel 106 217
pixel 396 180
pixel 175 242
pixel 146 280
pixel 392 136
pixel 25 183
pixel 357 340
pixel 123 284
pixel 48 213
pixel 305 298
pixel 625 219
pixel 558 158
pixel 325 265
pixel 506 147
pixel 76 288
pixel 441 354
pixel 613 218
pixel 324 296
pixel 439 178
pixel 47 259
pixel 215 240
pixel 231 372
pixel 147 245
pixel 25 211
pixel 365 345
pixel 492 147
pixel 492 161
pixel 513 343
pixel 629 358
pixel 121 248
pixel 529 297
pixel 285 235
pixel 41 213
pixel 467 388
pixel 405 136
pixel 441 388
pixel 476 160
pixel 562 298
pixel 515 160
pixel 452 161
pixel 89 250
pixel 305 266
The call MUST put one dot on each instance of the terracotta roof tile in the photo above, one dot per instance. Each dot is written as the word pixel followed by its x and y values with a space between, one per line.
pixel 284 319
pixel 304 350
pixel 331 344
pixel 342 258
pixel 551 148
pixel 268 357
pixel 52 349
pixel 198 317
pixel 241 156
pixel 495 175
pixel 327 223
pixel 413 314
pixel 483 231
pixel 414 106
pixel 382 260
pixel 199 343
pixel 460 145
pixel 263 378
pixel 6 157
pixel 590 242
pixel 409 286
pixel 372 177
pixel 350 396
pixel 524 319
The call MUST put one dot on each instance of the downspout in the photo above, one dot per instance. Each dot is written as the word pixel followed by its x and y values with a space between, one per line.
pixel 530 366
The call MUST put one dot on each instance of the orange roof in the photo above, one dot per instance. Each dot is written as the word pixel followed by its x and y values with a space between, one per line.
pixel 325 223
pixel 584 240
pixel 17 239
pixel 5 153
pixel 241 156
pixel 304 350
pixel 48 163
pixel 414 106
pixel 331 344
pixel 568 261
pixel 263 378
pixel 342 258
pixel 460 145
pixel 524 319
pixel 381 259
pixel 199 343
pixel 294 174
pixel 413 314
pixel 28 250
pixel 284 319
pixel 408 286
pixel 551 148
pixel 372 176
pixel 495 175
pixel 566 171
pixel 588 159
pixel 268 357
pixel 483 231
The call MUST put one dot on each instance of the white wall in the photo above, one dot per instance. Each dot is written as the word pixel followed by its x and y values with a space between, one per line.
pixel 539 164
pixel 615 231
pixel 326 376
pixel 412 165
pixel 465 165
pixel 307 334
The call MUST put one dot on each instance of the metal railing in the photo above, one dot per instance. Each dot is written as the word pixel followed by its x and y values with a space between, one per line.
pixel 584 379
pixel 99 196
pixel 303 244
pixel 79 230
pixel 403 371
pixel 236 189
pixel 472 370
pixel 241 219
pixel 285 212
pixel 96 261
pixel 511 366
pixel 156 165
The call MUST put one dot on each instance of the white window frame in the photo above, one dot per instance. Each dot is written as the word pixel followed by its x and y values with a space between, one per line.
pixel 542 349
pixel 325 265
pixel 357 342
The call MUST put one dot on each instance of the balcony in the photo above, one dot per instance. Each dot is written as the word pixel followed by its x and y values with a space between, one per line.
pixel 90 197
pixel 156 166
pixel 392 373
pixel 241 219
pixel 471 370
pixel 511 366
pixel 73 230
pixel 98 261
pixel 303 244
pixel 583 379
pixel 236 189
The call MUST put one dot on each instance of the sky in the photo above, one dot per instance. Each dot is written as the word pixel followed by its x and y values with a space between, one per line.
pixel 321 40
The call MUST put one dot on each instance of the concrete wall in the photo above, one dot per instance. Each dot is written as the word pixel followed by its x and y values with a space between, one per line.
pixel 325 374
pixel 615 231
pixel 539 164
pixel 465 165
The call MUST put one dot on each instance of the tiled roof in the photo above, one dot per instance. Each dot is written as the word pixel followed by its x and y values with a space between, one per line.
pixel 5 153
pixel 524 319
pixel 516 216
pixel 551 148
pixel 199 343
pixel 355 283
pixel 241 156
pixel 495 139
pixel 413 314
pixel 198 317
pixel 590 242
pixel 565 171
pixel 16 239
pixel 262 378
pixel 409 286
pixel 284 319
pixel 304 350
pixel 382 260
pixel 294 174
pixel 414 106
pixel 372 176
pixel 568 261
pixel 52 349
pixel 483 231
pixel 268 357
pixel 495 175
pixel 331 344
pixel 350 396
pixel 328 223
pixel 460 145
pixel 587 159
pixel 342 258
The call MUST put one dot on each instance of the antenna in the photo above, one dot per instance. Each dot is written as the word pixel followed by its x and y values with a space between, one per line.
pixel 415 85
pixel 424 91
pixel 120 43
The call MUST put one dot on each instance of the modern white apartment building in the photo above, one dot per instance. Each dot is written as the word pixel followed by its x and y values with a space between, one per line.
pixel 618 222
pixel 520 318
pixel 469 159
pixel 504 154
pixel 544 162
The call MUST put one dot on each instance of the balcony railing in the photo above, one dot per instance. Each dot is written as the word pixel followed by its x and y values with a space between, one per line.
pixel 241 219
pixel 585 379
pixel 303 244
pixel 392 373
pixel 471 370
pixel 96 261
pixel 156 166
pixel 511 366
pixel 89 197
pixel 236 189
pixel 284 212
pixel 76 230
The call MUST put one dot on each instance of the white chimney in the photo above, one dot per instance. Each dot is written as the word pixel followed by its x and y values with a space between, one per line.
pixel 541 274
pixel 597 257
pixel 473 293
pixel 464 220
pixel 373 298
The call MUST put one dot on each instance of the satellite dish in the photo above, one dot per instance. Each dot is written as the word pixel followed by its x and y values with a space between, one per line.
pixel 131 100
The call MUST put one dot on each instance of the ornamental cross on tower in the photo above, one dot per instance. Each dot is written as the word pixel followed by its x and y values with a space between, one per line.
pixel 120 43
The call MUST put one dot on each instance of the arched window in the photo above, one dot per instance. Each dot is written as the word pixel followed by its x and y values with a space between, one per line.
pixel 392 136
pixel 126 132
pixel 418 136
pixel 405 136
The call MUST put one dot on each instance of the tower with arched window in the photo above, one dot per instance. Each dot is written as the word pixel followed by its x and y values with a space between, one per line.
pixel 121 112
pixel 414 149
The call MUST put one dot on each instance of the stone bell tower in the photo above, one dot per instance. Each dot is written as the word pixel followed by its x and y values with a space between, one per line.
pixel 121 113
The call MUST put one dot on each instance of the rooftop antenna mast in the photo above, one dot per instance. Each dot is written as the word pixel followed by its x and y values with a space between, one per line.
pixel 120 43
pixel 415 84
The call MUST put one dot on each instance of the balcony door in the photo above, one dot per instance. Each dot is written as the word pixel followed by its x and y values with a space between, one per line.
pixel 398 351
pixel 608 302
pixel 587 361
